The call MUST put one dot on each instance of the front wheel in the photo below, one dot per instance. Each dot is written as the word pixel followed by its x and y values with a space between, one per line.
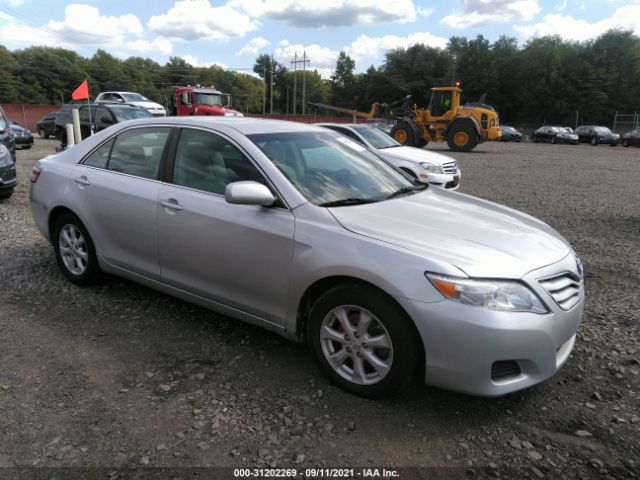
pixel 75 251
pixel 403 133
pixel 462 138
pixel 594 142
pixel 364 341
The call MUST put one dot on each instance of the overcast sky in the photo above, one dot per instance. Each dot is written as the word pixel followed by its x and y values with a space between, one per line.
pixel 233 32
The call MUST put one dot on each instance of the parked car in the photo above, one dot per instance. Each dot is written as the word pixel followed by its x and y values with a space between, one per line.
pixel 24 137
pixel 47 125
pixel 510 134
pixel 7 158
pixel 554 135
pixel 595 134
pixel 631 138
pixel 132 98
pixel 96 115
pixel 295 228
pixel 423 165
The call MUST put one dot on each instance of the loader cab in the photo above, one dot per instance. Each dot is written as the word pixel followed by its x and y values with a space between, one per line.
pixel 443 100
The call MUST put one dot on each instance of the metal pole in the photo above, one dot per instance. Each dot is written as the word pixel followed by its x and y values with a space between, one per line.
pixel 264 91
pixel 24 118
pixel 304 81
pixel 615 121
pixel 295 77
pixel 271 99
pixel 577 111
pixel 287 99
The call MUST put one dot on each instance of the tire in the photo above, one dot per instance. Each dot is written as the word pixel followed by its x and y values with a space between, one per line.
pixel 87 271
pixel 553 140
pixel 462 138
pixel 594 142
pixel 403 133
pixel 421 142
pixel 6 195
pixel 614 144
pixel 390 325
pixel 625 143
pixel 43 134
pixel 535 139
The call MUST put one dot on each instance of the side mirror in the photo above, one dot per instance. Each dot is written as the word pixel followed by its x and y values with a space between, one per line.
pixel 249 193
pixel 106 120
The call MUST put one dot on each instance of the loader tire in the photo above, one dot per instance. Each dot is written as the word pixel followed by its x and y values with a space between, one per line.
pixel 403 133
pixel 462 138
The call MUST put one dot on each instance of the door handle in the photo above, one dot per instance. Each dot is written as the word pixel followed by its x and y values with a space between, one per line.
pixel 171 204
pixel 82 180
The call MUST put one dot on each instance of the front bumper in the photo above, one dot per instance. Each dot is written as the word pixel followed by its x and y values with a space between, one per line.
pixel 445 180
pixel 24 140
pixel 8 178
pixel 462 343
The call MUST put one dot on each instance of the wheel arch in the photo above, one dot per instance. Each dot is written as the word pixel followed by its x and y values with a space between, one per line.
pixel 314 291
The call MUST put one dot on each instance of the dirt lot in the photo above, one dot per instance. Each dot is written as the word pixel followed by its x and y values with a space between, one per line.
pixel 119 381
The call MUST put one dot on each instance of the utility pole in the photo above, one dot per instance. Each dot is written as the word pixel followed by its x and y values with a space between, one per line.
pixel 304 60
pixel 287 99
pixel 271 99
pixel 295 77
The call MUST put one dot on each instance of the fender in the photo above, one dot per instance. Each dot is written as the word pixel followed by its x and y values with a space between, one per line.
pixel 466 120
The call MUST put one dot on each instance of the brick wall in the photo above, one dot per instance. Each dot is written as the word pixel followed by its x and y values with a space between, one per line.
pixel 28 115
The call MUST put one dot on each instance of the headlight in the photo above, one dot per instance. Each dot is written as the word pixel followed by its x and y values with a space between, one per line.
pixel 500 295
pixel 5 156
pixel 432 167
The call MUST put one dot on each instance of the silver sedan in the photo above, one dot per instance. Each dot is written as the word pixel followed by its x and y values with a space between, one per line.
pixel 304 232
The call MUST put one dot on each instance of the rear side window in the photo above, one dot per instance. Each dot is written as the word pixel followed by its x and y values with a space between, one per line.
pixel 100 157
pixel 138 152
pixel 208 162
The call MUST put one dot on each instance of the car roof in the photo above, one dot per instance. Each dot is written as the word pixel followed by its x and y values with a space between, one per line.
pixel 244 125
pixel 349 125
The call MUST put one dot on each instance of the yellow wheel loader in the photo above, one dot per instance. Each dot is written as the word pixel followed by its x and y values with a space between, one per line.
pixel 445 119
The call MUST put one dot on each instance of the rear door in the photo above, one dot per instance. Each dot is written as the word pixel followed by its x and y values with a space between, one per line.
pixel 116 187
pixel 237 255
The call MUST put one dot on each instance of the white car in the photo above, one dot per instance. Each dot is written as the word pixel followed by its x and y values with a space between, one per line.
pixel 424 165
pixel 133 98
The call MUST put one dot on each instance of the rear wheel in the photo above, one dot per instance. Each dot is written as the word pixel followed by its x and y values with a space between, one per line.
pixel 553 140
pixel 75 252
pixel 364 341
pixel 462 138
pixel 403 133
pixel 594 142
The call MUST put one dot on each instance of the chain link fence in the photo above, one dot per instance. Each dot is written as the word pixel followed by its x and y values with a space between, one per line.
pixel 625 122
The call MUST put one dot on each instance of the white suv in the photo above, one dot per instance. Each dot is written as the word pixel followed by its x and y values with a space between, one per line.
pixel 133 98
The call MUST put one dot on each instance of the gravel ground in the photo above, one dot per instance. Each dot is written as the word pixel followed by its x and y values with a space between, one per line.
pixel 119 381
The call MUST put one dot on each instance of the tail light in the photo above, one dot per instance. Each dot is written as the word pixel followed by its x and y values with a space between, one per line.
pixel 35 174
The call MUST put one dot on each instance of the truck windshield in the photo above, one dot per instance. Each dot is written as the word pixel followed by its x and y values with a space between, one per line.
pixel 209 99
pixel 377 138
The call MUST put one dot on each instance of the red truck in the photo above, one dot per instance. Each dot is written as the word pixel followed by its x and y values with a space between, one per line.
pixel 202 101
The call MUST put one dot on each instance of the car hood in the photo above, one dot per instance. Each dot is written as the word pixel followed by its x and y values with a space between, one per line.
pixel 416 155
pixel 480 238
pixel 147 104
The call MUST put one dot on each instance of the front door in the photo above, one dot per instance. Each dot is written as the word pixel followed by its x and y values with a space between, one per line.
pixel 237 255
pixel 118 188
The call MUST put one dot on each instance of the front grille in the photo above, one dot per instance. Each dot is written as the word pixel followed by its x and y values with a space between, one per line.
pixel 566 289
pixel 504 369
pixel 450 168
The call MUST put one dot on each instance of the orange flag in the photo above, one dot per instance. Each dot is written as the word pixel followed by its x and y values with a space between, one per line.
pixel 82 92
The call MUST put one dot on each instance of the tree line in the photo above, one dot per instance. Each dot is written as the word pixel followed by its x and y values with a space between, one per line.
pixel 546 79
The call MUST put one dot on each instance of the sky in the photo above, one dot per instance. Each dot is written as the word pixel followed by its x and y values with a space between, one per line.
pixel 231 33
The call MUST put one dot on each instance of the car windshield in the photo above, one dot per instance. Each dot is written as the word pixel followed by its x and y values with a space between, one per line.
pixel 125 113
pixel 602 130
pixel 330 169
pixel 376 138
pixel 212 99
pixel 135 97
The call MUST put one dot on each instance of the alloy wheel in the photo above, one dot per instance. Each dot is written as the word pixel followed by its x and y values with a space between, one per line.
pixel 356 345
pixel 73 249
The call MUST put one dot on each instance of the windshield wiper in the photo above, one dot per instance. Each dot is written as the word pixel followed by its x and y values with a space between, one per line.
pixel 408 189
pixel 347 201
